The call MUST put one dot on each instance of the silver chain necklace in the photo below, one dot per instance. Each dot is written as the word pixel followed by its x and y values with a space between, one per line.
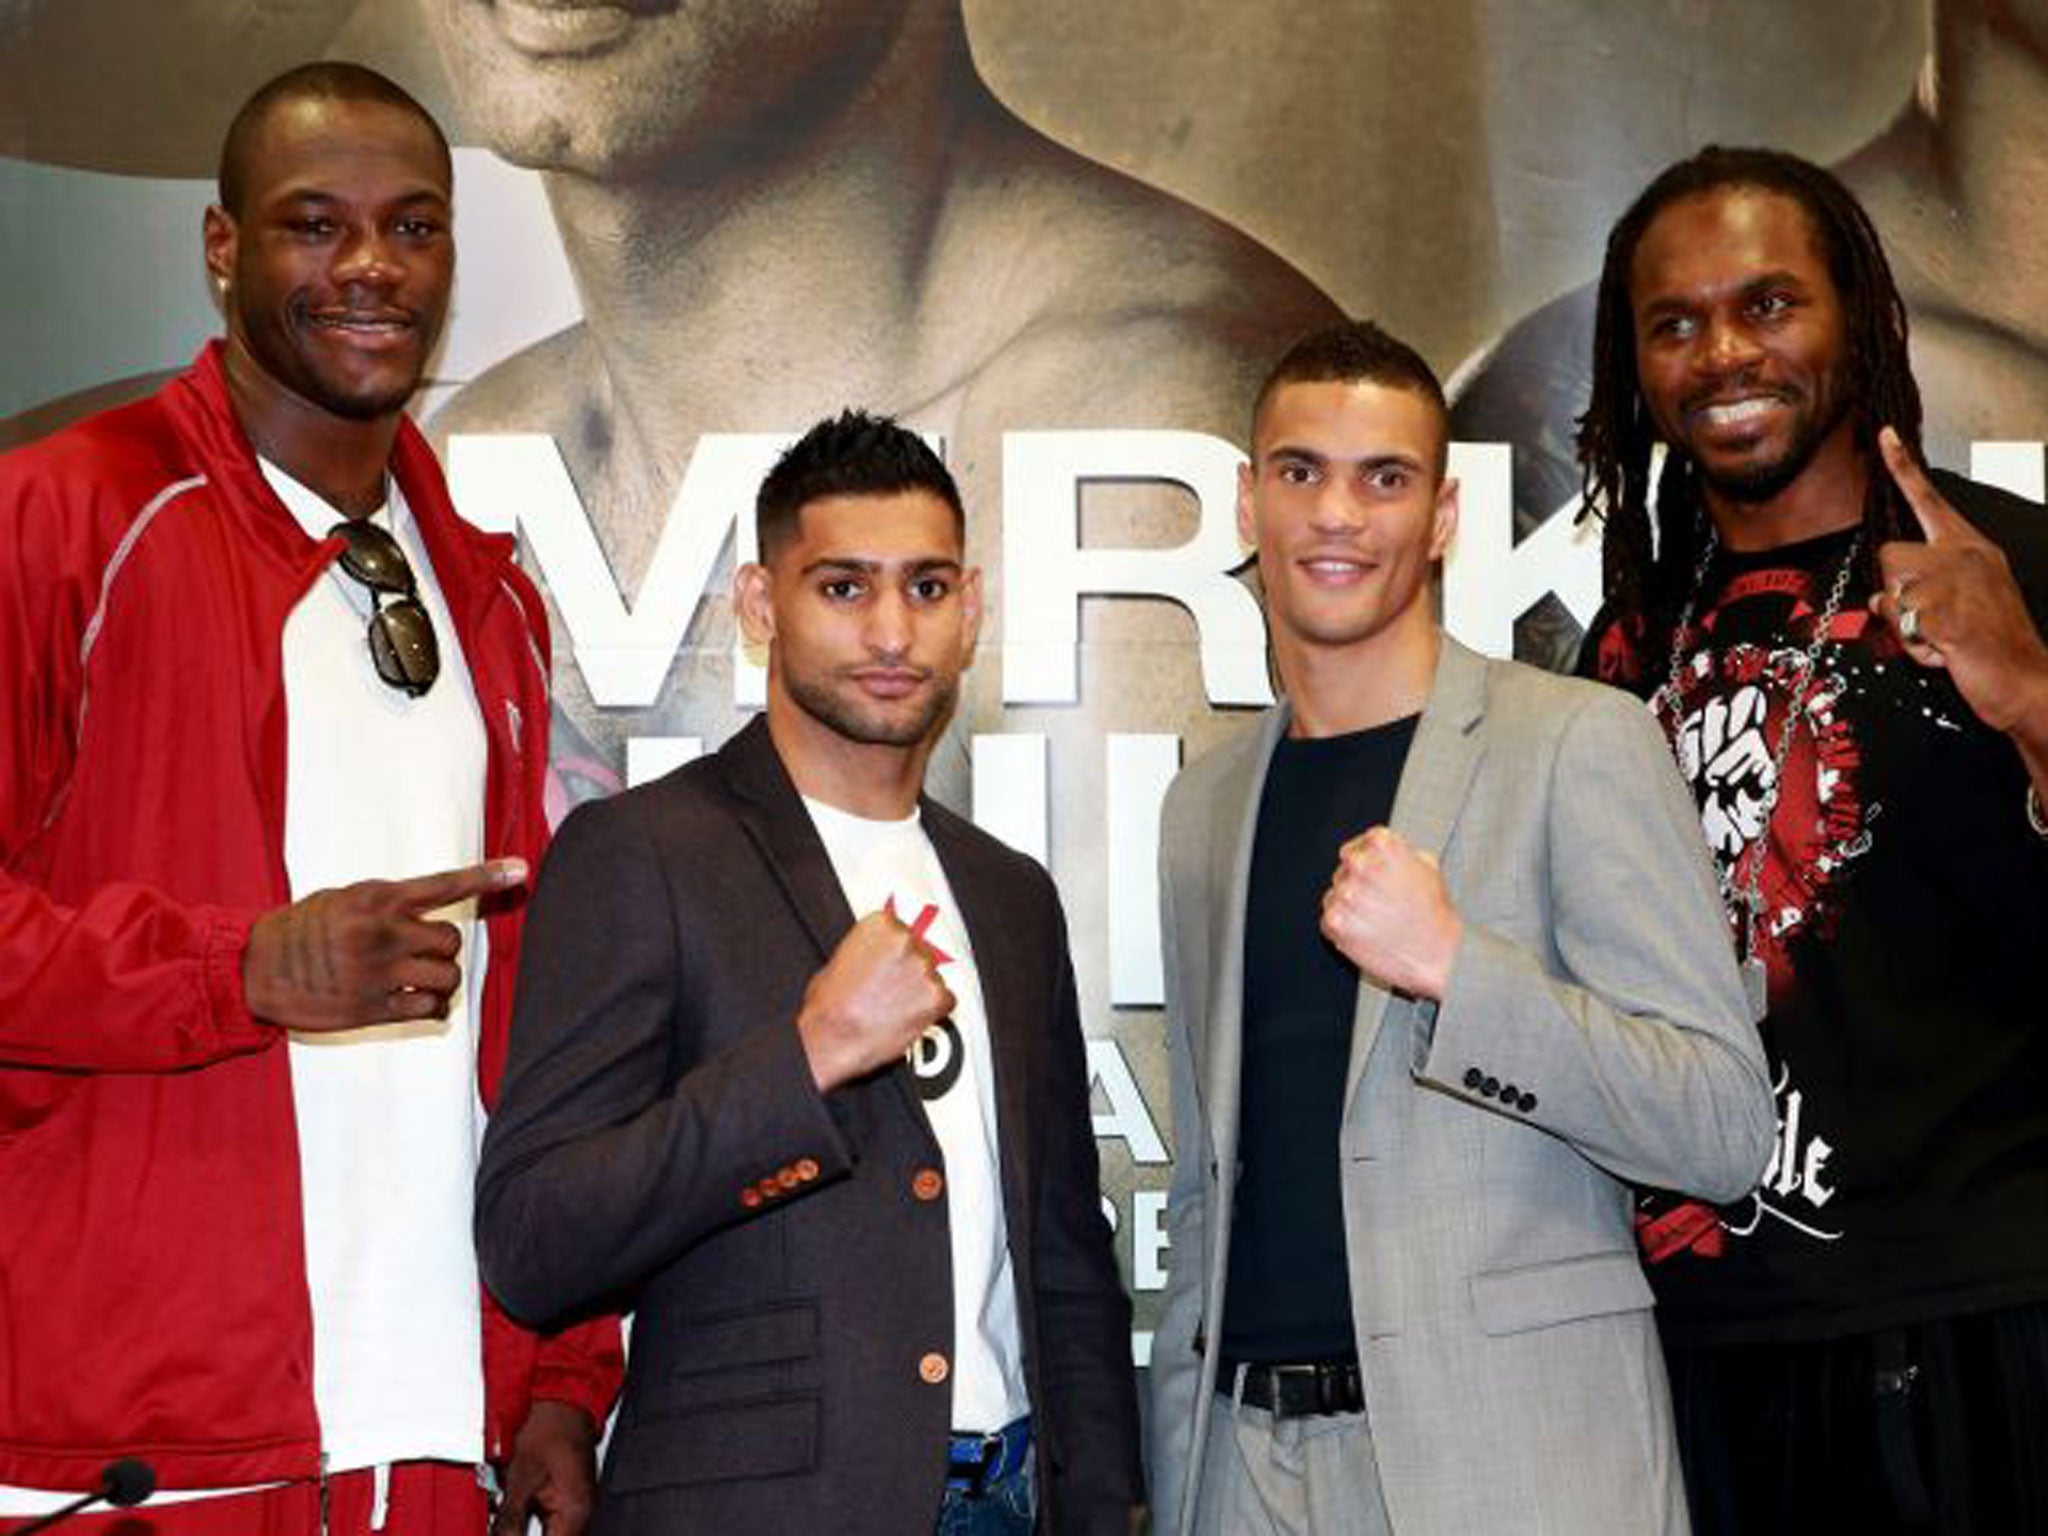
pixel 1747 895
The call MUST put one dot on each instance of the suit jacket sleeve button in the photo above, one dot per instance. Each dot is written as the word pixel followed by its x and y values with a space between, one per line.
pixel 807 1168
pixel 1490 1087
pixel 769 1188
pixel 927 1184
pixel 933 1369
pixel 1528 1102
pixel 787 1178
pixel 1511 1096
pixel 750 1197
pixel 1474 1077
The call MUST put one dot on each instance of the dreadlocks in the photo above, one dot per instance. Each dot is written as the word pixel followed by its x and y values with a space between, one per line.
pixel 1647 573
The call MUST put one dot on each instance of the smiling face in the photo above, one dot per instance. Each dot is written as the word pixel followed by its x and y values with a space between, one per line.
pixel 869 617
pixel 337 264
pixel 1741 341
pixel 1344 503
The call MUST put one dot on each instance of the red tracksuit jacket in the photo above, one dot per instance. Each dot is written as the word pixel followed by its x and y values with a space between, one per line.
pixel 153 1298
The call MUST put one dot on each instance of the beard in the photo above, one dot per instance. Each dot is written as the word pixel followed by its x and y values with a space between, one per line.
pixel 869 724
pixel 1759 482
pixel 287 349
pixel 359 405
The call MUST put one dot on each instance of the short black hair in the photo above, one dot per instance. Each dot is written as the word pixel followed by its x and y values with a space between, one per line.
pixel 851 454
pixel 323 80
pixel 1359 352
pixel 1654 535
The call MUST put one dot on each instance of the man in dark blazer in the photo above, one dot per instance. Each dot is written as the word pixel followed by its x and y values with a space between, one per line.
pixel 797 1075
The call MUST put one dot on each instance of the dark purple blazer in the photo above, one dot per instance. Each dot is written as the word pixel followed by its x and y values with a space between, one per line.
pixel 659 1145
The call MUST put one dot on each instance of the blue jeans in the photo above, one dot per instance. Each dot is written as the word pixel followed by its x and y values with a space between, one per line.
pixel 1007 1509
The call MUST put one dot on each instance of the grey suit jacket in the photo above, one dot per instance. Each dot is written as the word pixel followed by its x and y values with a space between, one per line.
pixel 1594 1034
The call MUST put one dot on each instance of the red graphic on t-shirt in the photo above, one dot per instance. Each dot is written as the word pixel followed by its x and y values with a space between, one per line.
pixel 1731 707
pixel 937 1056
pixel 921 927
pixel 1693 1224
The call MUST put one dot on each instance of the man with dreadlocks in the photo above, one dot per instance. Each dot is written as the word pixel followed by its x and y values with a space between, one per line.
pixel 1845 649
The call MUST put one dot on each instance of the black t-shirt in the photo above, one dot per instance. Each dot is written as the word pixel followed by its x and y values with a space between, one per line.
pixel 1906 911
pixel 1289 1291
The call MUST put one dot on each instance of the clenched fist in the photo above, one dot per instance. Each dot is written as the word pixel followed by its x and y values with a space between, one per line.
pixel 1389 913
pixel 1725 747
pixel 875 996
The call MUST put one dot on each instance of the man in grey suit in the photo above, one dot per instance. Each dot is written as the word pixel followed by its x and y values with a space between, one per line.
pixel 1409 1096
pixel 873 1295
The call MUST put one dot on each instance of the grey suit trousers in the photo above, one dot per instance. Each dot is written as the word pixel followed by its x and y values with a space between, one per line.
pixel 1312 1475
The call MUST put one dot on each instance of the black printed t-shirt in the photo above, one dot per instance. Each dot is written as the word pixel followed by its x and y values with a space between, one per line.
pixel 1288 1295
pixel 1904 934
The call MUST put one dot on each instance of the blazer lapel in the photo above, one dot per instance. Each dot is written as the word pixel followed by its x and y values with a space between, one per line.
pixel 1434 782
pixel 1217 1033
pixel 774 817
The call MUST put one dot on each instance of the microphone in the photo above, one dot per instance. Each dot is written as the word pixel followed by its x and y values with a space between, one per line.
pixel 122 1483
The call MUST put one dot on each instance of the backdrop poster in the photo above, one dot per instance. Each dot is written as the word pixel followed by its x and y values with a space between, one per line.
pixel 1064 238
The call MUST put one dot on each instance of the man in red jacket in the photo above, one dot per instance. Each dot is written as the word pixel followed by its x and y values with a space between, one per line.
pixel 249 660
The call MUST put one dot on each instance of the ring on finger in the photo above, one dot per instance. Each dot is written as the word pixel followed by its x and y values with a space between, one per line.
pixel 1909 623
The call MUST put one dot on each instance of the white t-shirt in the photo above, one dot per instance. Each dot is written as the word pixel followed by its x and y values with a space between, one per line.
pixel 892 865
pixel 381 785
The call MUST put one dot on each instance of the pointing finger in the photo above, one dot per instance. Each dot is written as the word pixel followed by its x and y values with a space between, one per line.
pixel 1937 519
pixel 425 893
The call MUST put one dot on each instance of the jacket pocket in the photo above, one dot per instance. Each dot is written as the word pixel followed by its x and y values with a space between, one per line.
pixel 756 1336
pixel 773 1437
pixel 1560 1291
pixel 682 1364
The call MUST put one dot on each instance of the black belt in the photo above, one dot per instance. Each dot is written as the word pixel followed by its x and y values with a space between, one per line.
pixel 1289 1391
